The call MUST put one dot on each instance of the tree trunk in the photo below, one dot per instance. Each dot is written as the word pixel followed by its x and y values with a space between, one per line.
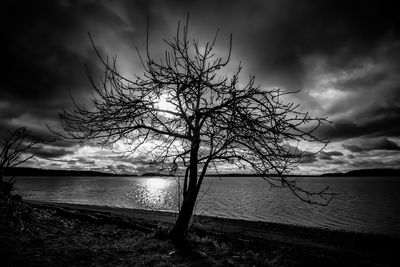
pixel 1 182
pixel 1 174
pixel 178 233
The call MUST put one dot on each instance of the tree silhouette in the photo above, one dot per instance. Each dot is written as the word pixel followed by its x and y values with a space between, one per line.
pixel 211 119
pixel 15 149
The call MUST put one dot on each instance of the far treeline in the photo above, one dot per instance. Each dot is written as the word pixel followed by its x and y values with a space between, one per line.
pixel 20 171
pixel 367 173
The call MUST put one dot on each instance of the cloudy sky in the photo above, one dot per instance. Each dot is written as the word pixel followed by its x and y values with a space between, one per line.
pixel 344 56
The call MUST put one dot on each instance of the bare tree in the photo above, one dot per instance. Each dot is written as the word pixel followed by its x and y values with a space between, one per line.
pixel 15 149
pixel 209 119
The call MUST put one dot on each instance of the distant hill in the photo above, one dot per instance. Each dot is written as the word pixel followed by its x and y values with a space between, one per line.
pixel 367 172
pixel 20 171
pixel 252 175
pixel 361 173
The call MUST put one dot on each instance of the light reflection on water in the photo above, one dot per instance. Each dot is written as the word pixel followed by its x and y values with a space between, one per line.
pixel 370 204
pixel 154 193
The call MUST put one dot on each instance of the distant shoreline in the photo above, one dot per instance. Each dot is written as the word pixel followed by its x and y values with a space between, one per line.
pixel 22 171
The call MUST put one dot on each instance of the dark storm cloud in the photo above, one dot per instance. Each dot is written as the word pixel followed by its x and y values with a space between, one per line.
pixel 274 36
pixel 383 122
pixel 373 144
pixel 354 148
pixel 329 155
pixel 41 68
pixel 334 153
pixel 47 43
pixel 46 47
pixel 357 41
pixel 50 153
pixel 338 162
pixel 85 161
pixel 367 97
pixel 308 158
pixel 349 47
pixel 376 163
pixel 39 56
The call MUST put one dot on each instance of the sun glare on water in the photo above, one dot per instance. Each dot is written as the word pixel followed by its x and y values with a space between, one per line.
pixel 154 192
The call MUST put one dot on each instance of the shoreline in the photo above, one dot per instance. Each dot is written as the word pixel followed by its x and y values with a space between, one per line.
pixel 357 243
pixel 62 234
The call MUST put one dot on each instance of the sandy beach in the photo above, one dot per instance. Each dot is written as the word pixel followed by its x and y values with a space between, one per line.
pixel 72 234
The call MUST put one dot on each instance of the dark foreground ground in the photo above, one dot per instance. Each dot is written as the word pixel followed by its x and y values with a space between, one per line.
pixel 44 234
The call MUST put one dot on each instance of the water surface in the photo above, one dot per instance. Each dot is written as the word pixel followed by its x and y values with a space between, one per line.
pixel 364 204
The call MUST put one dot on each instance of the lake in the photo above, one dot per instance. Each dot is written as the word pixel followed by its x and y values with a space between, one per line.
pixel 364 204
